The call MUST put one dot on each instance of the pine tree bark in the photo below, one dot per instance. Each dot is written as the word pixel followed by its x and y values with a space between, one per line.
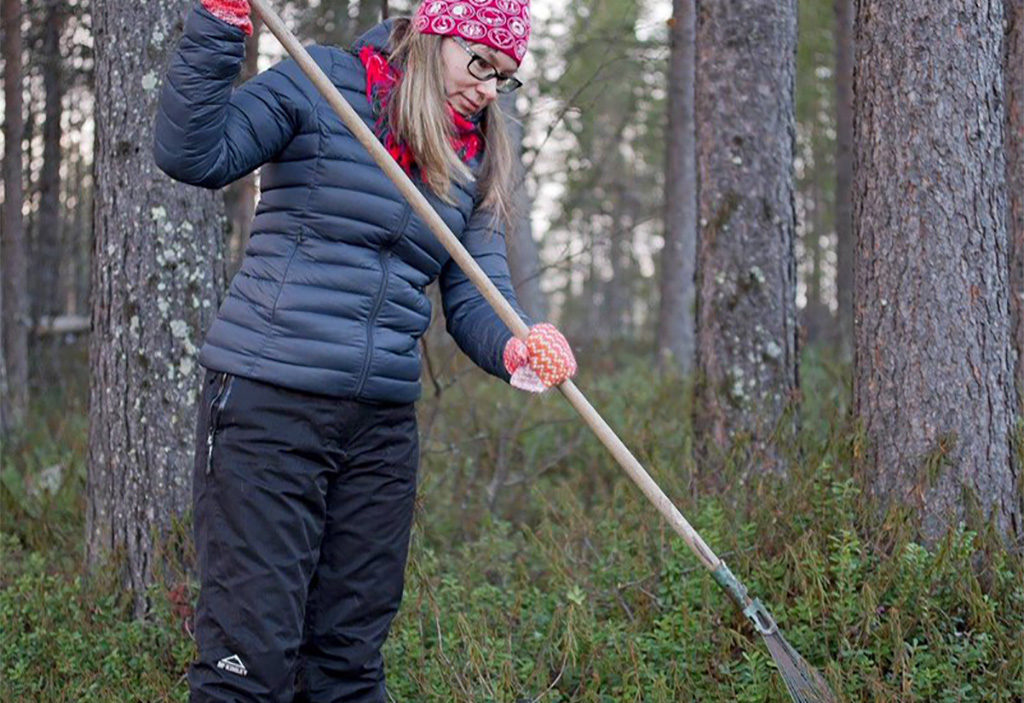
pixel 523 252
pixel 13 246
pixel 746 270
pixel 48 254
pixel 48 251
pixel 1014 90
pixel 369 14
pixel 845 245
pixel 933 383
pixel 816 315
pixel 156 276
pixel 678 258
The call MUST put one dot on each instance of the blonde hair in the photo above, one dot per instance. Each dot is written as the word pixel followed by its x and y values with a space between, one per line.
pixel 418 116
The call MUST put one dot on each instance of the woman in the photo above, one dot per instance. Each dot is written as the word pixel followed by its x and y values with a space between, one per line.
pixel 306 443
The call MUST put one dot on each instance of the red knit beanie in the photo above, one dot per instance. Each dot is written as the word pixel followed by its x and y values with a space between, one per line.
pixel 503 25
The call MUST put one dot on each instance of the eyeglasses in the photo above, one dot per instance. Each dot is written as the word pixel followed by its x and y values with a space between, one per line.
pixel 481 69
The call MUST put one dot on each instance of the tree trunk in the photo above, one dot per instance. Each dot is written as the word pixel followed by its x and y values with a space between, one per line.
pixel 675 316
pixel 816 313
pixel 154 292
pixel 746 270
pixel 618 289
pixel 1014 91
pixel 845 244
pixel 369 14
pixel 15 312
pixel 523 252
pixel 49 254
pixel 933 383
pixel 48 250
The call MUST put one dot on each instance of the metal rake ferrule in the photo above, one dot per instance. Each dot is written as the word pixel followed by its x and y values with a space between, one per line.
pixel 752 608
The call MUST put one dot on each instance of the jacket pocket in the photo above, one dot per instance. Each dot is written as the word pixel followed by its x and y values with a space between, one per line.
pixel 217 405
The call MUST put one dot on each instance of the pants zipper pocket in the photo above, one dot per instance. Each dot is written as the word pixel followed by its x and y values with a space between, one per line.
pixel 220 399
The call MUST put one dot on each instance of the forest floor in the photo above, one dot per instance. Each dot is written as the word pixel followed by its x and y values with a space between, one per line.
pixel 538 572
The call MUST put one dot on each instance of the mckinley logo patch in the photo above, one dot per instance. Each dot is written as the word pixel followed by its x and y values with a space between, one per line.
pixel 233 664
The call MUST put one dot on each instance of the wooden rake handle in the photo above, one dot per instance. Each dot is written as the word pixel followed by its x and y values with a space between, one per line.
pixel 501 306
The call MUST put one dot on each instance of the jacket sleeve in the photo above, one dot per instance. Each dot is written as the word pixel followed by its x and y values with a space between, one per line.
pixel 477 329
pixel 209 134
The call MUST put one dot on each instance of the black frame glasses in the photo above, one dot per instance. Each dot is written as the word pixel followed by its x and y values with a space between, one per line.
pixel 482 69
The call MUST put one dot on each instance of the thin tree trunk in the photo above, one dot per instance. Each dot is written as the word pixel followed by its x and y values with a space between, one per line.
pixel 1014 91
pixel 816 314
pixel 933 385
pixel 618 294
pixel 15 311
pixel 155 289
pixel 49 254
pixel 369 14
pixel 523 252
pixel 845 244
pixel 746 270
pixel 48 251
pixel 678 258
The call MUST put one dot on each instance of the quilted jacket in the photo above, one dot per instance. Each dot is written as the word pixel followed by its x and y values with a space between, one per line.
pixel 330 295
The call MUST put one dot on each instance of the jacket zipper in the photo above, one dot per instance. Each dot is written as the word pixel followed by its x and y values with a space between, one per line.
pixel 220 399
pixel 385 255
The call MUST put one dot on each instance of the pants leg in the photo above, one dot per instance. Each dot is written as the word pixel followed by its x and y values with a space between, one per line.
pixel 260 500
pixel 358 582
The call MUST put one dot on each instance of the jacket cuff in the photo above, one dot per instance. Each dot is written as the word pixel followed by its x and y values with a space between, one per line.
pixel 203 23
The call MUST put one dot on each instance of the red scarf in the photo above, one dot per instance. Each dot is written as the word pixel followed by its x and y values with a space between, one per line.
pixel 381 78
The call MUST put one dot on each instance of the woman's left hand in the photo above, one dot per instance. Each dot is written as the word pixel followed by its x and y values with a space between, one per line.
pixel 545 359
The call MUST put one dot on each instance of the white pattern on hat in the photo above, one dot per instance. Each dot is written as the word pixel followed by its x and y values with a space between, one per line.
pixel 472 30
pixel 490 16
pixel 434 8
pixel 504 25
pixel 502 37
pixel 442 25
pixel 517 27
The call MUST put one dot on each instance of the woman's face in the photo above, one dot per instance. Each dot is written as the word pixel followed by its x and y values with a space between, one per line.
pixel 466 93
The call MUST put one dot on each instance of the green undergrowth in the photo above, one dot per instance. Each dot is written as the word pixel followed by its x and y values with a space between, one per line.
pixel 538 572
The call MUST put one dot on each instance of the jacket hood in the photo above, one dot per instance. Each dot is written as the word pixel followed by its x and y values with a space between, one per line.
pixel 377 37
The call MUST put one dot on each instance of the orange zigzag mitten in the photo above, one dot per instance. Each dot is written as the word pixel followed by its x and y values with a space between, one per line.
pixel 234 12
pixel 543 360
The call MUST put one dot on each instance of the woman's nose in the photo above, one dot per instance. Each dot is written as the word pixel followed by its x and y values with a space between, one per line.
pixel 488 89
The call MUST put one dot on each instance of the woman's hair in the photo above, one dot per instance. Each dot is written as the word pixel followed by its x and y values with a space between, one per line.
pixel 418 116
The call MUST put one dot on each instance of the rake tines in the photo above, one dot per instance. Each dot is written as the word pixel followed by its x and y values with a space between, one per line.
pixel 804 683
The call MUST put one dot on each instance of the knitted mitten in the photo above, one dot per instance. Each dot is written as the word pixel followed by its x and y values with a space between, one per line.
pixel 234 12
pixel 543 360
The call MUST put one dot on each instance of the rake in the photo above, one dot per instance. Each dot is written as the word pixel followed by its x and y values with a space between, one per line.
pixel 804 683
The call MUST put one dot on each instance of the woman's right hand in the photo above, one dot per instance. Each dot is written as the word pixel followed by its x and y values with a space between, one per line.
pixel 234 12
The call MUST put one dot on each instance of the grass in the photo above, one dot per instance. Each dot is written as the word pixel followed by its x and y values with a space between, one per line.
pixel 538 572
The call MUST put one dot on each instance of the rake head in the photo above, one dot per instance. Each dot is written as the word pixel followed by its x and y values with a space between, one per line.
pixel 804 683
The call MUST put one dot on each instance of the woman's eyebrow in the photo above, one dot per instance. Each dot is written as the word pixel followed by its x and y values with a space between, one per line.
pixel 492 57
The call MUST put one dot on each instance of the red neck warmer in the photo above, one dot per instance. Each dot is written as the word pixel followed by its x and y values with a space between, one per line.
pixel 381 78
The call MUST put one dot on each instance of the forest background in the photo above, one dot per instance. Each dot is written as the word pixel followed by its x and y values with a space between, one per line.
pixel 786 240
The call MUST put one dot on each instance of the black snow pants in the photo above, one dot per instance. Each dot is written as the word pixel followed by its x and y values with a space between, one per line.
pixel 303 506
